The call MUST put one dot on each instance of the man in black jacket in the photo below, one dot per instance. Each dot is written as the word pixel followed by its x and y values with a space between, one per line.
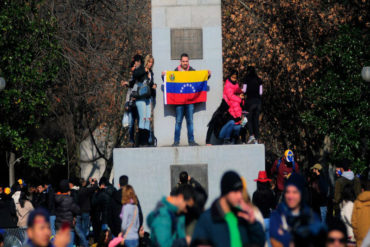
pixel 229 221
pixel 101 208
pixel 65 208
pixel 318 187
pixel 84 201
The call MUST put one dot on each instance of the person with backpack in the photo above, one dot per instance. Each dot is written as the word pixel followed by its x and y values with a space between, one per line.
pixel 347 179
pixel 167 220
pixel 283 168
pixel 200 198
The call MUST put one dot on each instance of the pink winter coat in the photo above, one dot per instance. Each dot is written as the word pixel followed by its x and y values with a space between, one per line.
pixel 231 96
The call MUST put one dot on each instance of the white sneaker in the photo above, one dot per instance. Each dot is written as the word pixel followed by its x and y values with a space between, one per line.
pixel 251 140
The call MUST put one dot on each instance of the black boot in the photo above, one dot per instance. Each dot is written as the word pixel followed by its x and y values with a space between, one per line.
pixel 140 138
pixel 145 137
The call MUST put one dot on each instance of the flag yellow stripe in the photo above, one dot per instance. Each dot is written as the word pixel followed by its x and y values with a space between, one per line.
pixel 186 76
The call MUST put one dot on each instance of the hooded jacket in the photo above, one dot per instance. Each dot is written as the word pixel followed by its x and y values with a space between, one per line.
pixel 212 228
pixel 347 178
pixel 361 216
pixel 167 227
pixel 283 170
pixel 230 95
pixel 65 209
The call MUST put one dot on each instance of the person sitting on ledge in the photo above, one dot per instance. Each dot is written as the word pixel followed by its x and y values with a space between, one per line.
pixel 233 96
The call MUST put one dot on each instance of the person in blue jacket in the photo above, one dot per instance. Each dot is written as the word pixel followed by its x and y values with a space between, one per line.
pixel 229 221
pixel 293 221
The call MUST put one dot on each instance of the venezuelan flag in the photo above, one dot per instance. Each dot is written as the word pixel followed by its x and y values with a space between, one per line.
pixel 185 87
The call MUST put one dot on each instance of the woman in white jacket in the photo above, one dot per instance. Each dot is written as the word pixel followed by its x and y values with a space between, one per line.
pixel 24 208
pixel 346 208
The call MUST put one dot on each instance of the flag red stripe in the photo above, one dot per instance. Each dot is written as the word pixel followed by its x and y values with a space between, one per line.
pixel 186 98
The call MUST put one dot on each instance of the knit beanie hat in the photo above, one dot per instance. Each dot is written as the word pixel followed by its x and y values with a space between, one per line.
pixel 230 181
pixel 296 180
pixel 64 186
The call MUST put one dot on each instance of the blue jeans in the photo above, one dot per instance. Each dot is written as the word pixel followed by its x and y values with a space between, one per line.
pixel 132 116
pixel 72 239
pixel 323 211
pixel 80 232
pixel 52 224
pixel 187 111
pixel 230 129
pixel 132 243
pixel 267 231
pixel 144 110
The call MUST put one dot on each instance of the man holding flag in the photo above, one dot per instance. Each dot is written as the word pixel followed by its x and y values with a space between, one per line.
pixel 183 91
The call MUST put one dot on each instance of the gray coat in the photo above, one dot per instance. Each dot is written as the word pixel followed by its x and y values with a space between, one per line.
pixel 127 215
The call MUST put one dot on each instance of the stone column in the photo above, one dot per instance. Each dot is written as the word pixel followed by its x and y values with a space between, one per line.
pixel 186 14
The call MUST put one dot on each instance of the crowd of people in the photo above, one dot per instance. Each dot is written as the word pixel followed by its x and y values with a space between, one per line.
pixel 238 113
pixel 289 208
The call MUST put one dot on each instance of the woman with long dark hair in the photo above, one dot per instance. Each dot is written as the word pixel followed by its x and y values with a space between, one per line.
pixel 24 208
pixel 264 199
pixel 253 89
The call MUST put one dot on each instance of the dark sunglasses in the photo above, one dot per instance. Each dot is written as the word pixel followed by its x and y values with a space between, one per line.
pixel 332 240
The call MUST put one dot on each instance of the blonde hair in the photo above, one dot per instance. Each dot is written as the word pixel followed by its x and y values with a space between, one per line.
pixel 245 194
pixel 147 59
pixel 128 195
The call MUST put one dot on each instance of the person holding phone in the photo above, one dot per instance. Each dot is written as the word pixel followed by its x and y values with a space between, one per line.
pixel 230 212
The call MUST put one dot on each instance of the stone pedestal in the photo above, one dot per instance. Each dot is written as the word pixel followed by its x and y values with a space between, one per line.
pixel 186 14
pixel 149 169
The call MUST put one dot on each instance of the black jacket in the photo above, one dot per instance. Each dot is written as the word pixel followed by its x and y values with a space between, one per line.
pixel 7 212
pixel 219 118
pixel 212 229
pixel 84 198
pixel 65 210
pixel 51 200
pixel 265 201
pixel 101 204
pixel 40 200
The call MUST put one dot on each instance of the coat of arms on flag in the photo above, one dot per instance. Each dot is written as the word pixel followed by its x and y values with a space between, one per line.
pixel 185 87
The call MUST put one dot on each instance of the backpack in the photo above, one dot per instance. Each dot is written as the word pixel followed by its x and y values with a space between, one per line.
pixel 278 165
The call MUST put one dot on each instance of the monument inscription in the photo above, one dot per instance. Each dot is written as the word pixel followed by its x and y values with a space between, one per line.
pixel 187 40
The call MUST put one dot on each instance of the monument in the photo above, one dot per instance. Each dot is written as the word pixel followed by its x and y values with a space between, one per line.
pixel 193 27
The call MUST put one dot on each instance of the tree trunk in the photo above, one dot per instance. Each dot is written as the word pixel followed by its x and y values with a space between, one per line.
pixel 11 168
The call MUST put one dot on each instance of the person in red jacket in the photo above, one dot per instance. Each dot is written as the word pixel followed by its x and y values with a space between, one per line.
pixel 283 168
pixel 233 96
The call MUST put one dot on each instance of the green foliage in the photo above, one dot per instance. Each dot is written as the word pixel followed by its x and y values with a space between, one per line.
pixel 29 62
pixel 340 98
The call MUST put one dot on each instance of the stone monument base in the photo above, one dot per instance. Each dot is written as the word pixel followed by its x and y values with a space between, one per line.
pixel 149 169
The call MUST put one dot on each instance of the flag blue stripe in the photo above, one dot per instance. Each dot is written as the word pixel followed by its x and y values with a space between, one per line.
pixel 189 87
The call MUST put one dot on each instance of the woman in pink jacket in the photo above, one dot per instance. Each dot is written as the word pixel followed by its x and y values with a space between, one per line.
pixel 233 96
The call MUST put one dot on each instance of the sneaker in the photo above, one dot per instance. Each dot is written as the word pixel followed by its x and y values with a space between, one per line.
pixel 193 144
pixel 251 140
pixel 175 144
